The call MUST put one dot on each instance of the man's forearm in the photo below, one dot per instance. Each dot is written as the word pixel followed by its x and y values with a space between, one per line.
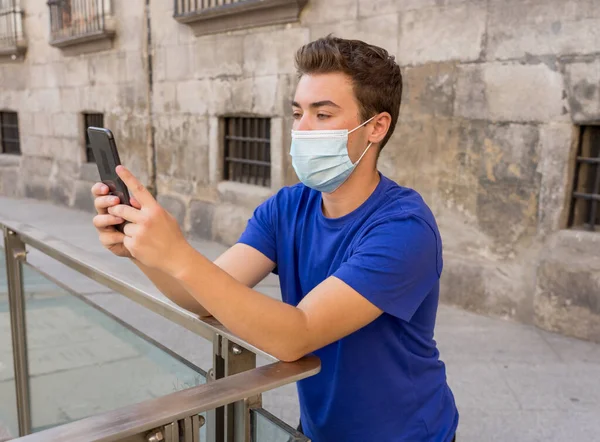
pixel 275 327
pixel 172 289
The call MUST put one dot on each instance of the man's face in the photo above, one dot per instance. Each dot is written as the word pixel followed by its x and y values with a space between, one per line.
pixel 326 102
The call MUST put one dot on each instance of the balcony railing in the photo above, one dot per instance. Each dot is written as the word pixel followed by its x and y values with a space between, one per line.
pixel 82 374
pixel 12 39
pixel 78 21
pixel 212 16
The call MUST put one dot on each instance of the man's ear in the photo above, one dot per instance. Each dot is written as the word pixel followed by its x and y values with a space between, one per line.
pixel 381 125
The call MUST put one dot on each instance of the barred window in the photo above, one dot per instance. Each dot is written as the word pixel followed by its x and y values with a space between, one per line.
pixel 247 152
pixel 11 27
pixel 585 210
pixel 9 133
pixel 183 7
pixel 94 120
pixel 76 19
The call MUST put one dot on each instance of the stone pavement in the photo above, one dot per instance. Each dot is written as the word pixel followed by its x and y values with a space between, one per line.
pixel 512 382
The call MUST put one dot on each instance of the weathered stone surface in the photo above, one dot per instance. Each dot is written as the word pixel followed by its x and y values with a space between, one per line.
pixel 379 31
pixel 583 90
pixel 268 52
pixel 510 92
pixel 83 199
pixel 241 194
pixel 229 222
pixel 518 28
pixel 66 124
pixel 175 206
pixel 194 96
pixel 556 148
pixel 164 98
pixel 499 289
pixel 62 181
pixel 428 90
pixel 231 96
pixel 567 297
pixel 442 34
pixel 182 147
pixel 524 93
pixel 217 56
pixel 329 11
pixel 179 62
pixel 265 94
pixel 76 72
pixel 10 183
pixel 505 159
pixel 470 93
pixel 201 219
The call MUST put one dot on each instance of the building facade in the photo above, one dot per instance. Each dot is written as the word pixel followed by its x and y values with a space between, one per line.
pixel 498 128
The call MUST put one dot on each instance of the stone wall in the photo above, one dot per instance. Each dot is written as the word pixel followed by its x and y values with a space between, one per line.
pixel 494 90
pixel 51 88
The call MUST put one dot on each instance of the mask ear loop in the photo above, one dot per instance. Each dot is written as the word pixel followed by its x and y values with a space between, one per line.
pixel 363 154
pixel 361 125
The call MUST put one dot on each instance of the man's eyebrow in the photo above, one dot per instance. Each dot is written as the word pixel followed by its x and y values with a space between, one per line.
pixel 318 104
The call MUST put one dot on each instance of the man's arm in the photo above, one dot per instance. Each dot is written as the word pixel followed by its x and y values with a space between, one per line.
pixel 328 313
pixel 242 262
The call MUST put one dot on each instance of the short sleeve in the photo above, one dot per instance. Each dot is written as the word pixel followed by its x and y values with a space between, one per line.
pixel 395 265
pixel 260 231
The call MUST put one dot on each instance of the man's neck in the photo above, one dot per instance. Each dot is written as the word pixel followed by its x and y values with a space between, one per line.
pixel 352 194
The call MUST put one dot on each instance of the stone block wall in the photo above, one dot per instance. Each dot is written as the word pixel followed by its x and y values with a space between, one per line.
pixel 51 88
pixel 494 92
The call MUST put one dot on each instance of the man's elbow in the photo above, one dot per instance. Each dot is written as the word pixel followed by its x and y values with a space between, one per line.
pixel 292 351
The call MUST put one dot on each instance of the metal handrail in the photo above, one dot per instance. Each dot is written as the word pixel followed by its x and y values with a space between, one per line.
pixel 129 421
pixel 84 262
pixel 234 383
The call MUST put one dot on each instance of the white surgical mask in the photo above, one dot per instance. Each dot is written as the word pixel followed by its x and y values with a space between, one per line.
pixel 320 157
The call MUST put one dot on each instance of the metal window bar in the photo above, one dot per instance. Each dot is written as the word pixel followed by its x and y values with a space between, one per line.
pixel 234 387
pixel 247 154
pixel 9 133
pixel 585 204
pixel 72 18
pixel 11 30
pixel 95 120
pixel 184 7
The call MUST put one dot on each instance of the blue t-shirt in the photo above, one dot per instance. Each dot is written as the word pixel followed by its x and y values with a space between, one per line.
pixel 384 382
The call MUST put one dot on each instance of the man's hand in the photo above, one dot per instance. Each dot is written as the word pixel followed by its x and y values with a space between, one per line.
pixel 105 223
pixel 152 236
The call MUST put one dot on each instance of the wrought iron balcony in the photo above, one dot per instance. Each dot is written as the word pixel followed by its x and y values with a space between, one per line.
pixel 212 16
pixel 12 38
pixel 79 21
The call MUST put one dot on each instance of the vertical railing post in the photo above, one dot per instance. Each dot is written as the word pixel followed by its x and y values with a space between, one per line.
pixel 232 422
pixel 14 250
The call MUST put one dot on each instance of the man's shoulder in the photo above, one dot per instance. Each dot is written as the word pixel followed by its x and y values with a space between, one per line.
pixel 402 203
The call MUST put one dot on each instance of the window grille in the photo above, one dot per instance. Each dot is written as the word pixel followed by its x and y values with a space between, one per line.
pixel 585 210
pixel 9 133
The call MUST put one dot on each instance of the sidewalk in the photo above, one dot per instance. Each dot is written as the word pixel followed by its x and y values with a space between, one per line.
pixel 512 382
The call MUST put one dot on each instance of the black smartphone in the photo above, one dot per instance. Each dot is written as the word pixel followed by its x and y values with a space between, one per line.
pixel 107 159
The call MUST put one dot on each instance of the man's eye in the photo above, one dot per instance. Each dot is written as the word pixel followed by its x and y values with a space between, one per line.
pixel 322 116
pixel 296 115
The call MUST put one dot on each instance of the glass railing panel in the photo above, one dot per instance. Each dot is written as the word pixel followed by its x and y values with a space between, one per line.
pixel 9 424
pixel 268 428
pixel 83 362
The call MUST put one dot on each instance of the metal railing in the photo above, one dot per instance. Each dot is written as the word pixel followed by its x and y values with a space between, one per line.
pixel 183 7
pixel 77 18
pixel 11 26
pixel 233 387
pixel 585 205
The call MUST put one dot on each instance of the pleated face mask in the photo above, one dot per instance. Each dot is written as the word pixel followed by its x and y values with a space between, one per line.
pixel 320 157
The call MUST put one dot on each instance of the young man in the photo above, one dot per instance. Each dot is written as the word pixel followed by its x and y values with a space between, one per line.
pixel 358 258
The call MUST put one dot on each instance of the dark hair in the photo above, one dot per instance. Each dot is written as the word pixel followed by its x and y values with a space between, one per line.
pixel 376 77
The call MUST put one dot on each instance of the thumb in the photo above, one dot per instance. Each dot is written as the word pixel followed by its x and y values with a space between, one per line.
pixel 135 203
